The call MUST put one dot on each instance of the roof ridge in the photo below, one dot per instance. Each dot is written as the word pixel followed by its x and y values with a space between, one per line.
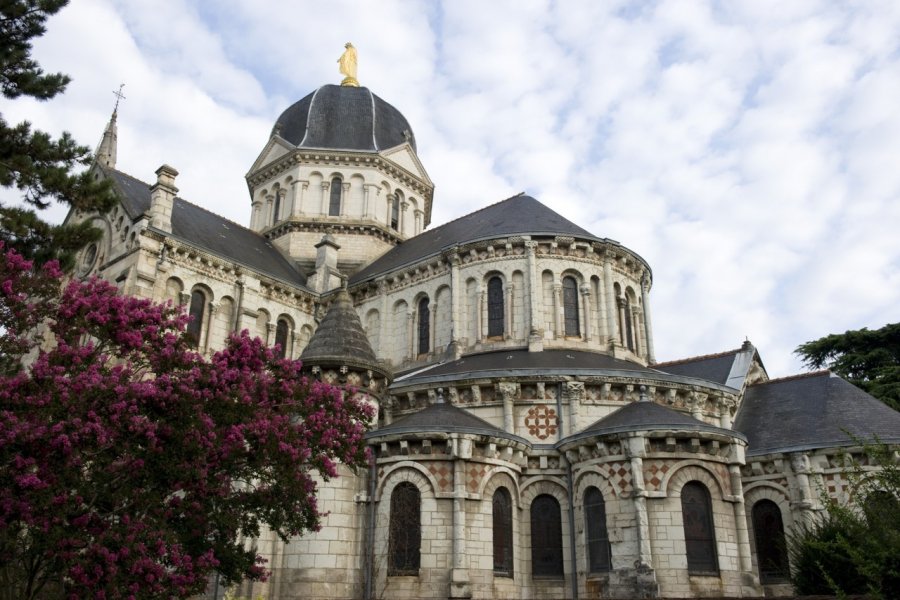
pixel 809 375
pixel 203 208
pixel 482 209
pixel 696 358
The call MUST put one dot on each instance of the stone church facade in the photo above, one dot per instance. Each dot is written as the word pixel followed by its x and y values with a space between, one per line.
pixel 528 443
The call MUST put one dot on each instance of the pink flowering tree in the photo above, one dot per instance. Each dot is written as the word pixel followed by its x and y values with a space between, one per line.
pixel 130 466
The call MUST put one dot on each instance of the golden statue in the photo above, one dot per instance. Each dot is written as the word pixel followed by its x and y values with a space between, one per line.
pixel 347 65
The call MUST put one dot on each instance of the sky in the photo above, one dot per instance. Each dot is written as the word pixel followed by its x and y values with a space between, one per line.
pixel 748 151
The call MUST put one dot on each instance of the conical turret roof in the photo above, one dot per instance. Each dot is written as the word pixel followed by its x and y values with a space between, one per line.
pixel 340 338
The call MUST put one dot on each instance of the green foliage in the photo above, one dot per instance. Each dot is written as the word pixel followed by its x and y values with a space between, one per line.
pixel 854 549
pixel 33 162
pixel 867 359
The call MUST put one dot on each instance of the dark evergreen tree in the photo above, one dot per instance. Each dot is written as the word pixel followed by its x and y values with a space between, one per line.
pixel 867 359
pixel 42 168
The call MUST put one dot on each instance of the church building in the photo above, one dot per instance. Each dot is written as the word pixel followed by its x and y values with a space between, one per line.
pixel 528 444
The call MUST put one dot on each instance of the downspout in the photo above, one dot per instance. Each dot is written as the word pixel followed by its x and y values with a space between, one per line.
pixel 370 532
pixel 569 485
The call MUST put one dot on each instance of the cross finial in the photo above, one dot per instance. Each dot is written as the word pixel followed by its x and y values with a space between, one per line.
pixel 119 96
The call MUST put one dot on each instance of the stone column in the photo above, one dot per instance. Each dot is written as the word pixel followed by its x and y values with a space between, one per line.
pixel 507 393
pixel 635 451
pixel 411 329
pixel 401 226
pixel 645 302
pixel 623 331
pixel 256 215
pixel 558 311
pixel 586 309
pixel 454 295
pixel 432 331
pixel 507 312
pixel 535 340
pixel 418 221
pixel 270 211
pixel 637 330
pixel 345 196
pixel 459 575
pixel 184 299
pixel 294 337
pixel 326 198
pixel 725 412
pixel 740 518
pixel 300 188
pixel 479 318
pixel 210 319
pixel 611 310
pixel 384 340
pixel 270 333
pixel 801 468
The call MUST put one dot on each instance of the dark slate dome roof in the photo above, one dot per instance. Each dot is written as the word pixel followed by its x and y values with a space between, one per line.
pixel 340 338
pixel 344 118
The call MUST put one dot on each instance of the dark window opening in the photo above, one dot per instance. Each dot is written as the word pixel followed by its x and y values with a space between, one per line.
pixel 546 537
pixel 629 325
pixel 276 209
pixel 281 338
pixel 771 547
pixel 424 326
pixel 405 534
pixel 699 535
pixel 570 306
pixel 198 301
pixel 599 555
pixel 503 534
pixel 395 213
pixel 495 307
pixel 334 206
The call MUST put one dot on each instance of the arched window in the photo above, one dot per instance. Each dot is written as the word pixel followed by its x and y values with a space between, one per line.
pixel 629 325
pixel 699 535
pixel 570 306
pixel 424 326
pixel 771 547
pixel 495 307
pixel 599 559
pixel 195 311
pixel 281 338
pixel 503 534
pixel 276 209
pixel 334 205
pixel 395 212
pixel 546 537
pixel 405 535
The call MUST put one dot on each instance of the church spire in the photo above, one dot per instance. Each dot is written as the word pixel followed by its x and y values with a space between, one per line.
pixel 106 151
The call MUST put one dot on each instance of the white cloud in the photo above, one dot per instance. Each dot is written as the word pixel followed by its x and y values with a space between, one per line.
pixel 747 150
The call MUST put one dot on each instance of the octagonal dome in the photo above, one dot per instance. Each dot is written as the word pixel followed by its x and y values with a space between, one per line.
pixel 344 118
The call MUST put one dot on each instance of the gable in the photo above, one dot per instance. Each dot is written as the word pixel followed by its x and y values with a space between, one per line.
pixel 275 149
pixel 404 157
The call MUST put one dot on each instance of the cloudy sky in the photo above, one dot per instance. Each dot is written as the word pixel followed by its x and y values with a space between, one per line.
pixel 749 151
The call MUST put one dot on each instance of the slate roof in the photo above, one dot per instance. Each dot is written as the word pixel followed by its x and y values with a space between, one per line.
pixel 712 367
pixel 209 231
pixel 649 416
pixel 340 337
pixel 343 118
pixel 812 411
pixel 442 417
pixel 512 362
pixel 519 215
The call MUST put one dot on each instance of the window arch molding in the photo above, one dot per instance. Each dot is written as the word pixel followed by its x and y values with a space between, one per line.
pixel 770 541
pixel 424 326
pixel 699 530
pixel 571 303
pixel 496 288
pixel 335 195
pixel 198 309
pixel 284 329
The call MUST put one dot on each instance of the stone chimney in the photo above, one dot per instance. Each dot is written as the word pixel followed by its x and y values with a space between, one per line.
pixel 162 197
pixel 326 275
